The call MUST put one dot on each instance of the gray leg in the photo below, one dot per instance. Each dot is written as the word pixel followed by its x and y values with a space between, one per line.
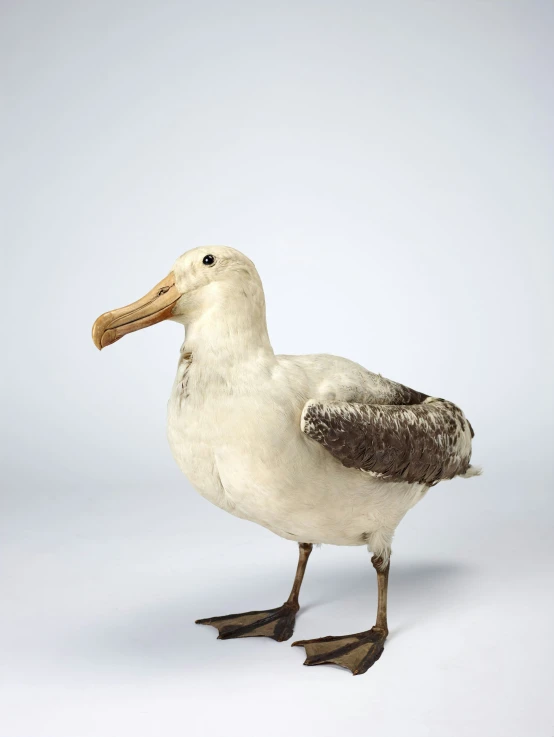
pixel 275 623
pixel 360 651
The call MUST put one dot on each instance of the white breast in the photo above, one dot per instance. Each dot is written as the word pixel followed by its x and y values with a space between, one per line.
pixel 191 430
pixel 243 450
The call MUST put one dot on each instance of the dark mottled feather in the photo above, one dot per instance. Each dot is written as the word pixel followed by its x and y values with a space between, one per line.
pixel 423 442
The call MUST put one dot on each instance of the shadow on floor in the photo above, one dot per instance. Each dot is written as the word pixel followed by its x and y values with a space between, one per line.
pixel 165 635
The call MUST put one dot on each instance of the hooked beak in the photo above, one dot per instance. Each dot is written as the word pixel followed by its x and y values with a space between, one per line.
pixel 154 307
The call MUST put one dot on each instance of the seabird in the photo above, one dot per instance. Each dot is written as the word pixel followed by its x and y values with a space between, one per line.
pixel 315 448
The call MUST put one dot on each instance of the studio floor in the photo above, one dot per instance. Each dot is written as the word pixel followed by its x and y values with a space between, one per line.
pixel 99 640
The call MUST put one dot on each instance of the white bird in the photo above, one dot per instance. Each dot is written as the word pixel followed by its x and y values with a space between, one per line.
pixel 315 448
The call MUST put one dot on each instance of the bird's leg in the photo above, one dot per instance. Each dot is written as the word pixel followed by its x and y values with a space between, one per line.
pixel 304 551
pixel 356 652
pixel 275 623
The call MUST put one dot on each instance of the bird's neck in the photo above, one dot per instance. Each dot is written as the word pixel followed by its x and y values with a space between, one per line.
pixel 230 334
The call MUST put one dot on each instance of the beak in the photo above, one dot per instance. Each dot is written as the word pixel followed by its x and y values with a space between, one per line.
pixel 154 307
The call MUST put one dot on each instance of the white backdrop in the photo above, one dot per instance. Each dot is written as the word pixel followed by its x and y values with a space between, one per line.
pixel 389 168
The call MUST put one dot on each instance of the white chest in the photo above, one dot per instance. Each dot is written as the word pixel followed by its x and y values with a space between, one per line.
pixel 190 429
pixel 230 443
pixel 240 445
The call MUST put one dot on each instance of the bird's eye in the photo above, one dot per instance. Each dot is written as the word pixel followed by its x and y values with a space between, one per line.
pixel 208 260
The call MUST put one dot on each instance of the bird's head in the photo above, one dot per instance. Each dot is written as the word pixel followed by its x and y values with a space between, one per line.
pixel 201 280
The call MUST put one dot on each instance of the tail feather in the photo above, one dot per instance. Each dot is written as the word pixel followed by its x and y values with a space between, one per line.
pixel 472 471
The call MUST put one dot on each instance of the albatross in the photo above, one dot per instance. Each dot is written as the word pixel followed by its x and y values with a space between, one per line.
pixel 315 448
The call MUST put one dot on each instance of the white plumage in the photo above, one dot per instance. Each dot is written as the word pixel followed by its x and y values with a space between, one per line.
pixel 241 446
pixel 234 419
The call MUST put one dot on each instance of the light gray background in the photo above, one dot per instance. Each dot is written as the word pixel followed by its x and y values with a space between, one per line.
pixel 389 168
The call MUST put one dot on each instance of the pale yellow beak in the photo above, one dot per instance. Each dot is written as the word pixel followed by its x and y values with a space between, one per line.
pixel 154 307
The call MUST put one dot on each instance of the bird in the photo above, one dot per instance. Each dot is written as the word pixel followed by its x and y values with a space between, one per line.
pixel 315 448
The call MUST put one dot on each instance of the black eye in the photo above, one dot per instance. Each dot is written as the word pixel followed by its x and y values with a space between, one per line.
pixel 209 260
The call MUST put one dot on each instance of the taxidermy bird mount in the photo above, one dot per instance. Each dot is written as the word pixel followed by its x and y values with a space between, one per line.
pixel 315 448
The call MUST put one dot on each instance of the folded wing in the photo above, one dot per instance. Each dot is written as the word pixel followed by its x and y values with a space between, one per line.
pixel 424 443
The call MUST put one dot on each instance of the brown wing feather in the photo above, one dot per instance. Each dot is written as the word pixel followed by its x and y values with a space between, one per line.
pixel 422 443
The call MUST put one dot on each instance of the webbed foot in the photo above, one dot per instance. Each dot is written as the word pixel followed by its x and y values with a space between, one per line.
pixel 356 652
pixel 275 623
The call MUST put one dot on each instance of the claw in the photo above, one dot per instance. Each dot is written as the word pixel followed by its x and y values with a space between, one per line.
pixel 356 652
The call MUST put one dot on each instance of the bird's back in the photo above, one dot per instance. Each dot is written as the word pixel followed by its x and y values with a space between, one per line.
pixel 337 378
pixel 376 425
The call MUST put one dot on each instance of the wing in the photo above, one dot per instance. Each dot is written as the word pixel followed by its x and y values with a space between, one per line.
pixel 422 442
